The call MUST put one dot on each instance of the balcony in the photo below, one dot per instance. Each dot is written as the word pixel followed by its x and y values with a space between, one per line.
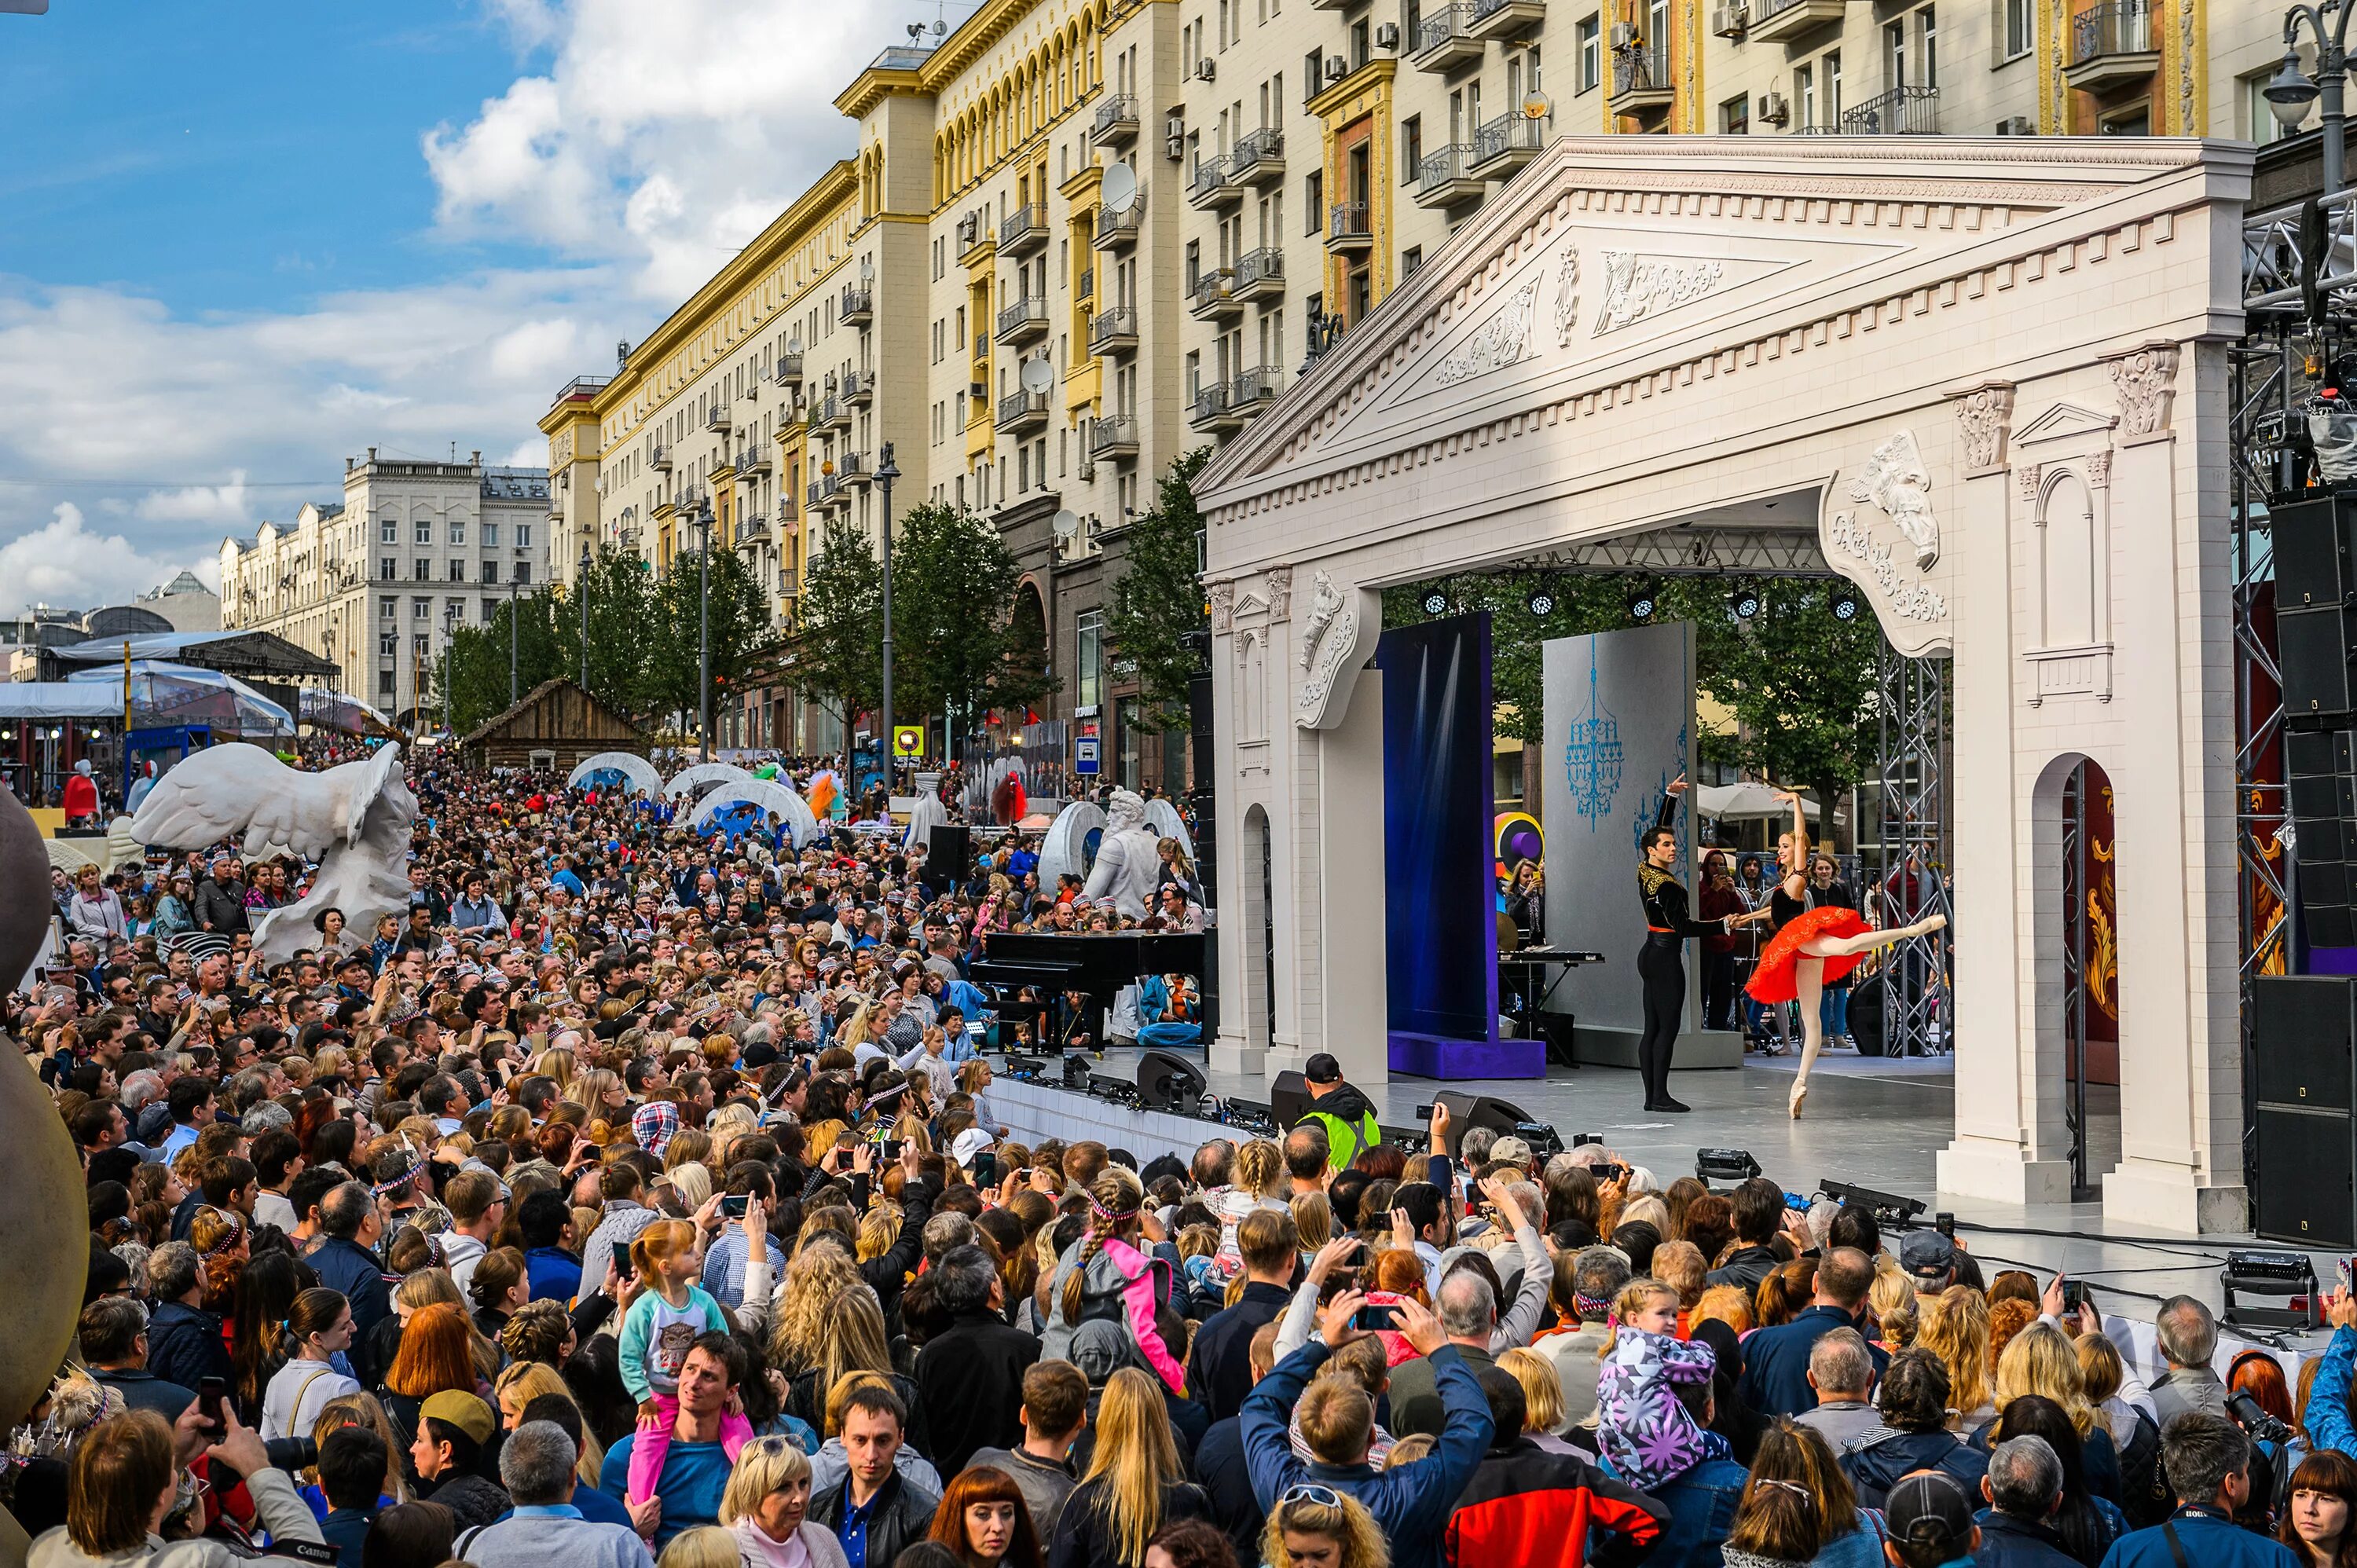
pixel 858 306
pixel 719 418
pixel 790 369
pixel 1506 144
pixel 1641 76
pixel 1252 391
pixel 1210 410
pixel 2112 47
pixel 1775 20
pixel 1118 230
pixel 1213 297
pixel 753 460
pixel 1025 320
pixel 1085 291
pixel 1507 19
pixel 1113 438
pixel 1444 40
pixel 1210 186
pixel 660 461
pixel 1021 413
pixel 753 530
pixel 1260 275
pixel 1259 158
pixel 1901 112
pixel 858 391
pixel 854 469
pixel 831 414
pixel 1114 331
pixel 1116 122
pixel 1349 228
pixel 1444 177
pixel 1025 231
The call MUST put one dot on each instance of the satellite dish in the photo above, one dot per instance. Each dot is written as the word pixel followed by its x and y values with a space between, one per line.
pixel 1037 375
pixel 1120 188
pixel 866 269
pixel 1068 525
pixel 1537 106
pixel 794 344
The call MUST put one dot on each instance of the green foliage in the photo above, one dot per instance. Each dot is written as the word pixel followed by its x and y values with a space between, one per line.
pixel 958 648
pixel 621 629
pixel 838 651
pixel 1159 600
pixel 478 658
pixel 740 630
pixel 1583 603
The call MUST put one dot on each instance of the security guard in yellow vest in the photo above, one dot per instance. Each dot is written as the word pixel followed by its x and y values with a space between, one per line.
pixel 1346 1116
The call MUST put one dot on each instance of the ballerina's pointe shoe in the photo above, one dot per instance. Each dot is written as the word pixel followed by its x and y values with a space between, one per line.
pixel 1928 924
pixel 1800 1095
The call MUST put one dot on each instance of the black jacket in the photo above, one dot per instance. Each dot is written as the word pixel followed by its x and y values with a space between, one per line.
pixel 145 1391
pixel 184 1344
pixel 471 1499
pixel 1226 1480
pixel 1084 1537
pixel 1219 1368
pixel 1878 1459
pixel 220 908
pixel 901 1515
pixel 970 1387
pixel 2009 1542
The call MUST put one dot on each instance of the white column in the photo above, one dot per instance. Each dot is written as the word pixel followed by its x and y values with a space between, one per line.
pixel 1350 838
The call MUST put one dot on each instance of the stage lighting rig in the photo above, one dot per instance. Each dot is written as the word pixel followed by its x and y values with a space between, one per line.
pixel 1543 1140
pixel 1250 1116
pixel 1744 602
pixel 1729 1166
pixel 1844 604
pixel 1436 603
pixel 1076 1072
pixel 1890 1210
pixel 1643 604
pixel 1118 1090
pixel 2284 1276
pixel 1541 602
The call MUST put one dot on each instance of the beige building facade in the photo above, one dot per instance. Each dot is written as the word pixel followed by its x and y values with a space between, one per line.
pixel 376 582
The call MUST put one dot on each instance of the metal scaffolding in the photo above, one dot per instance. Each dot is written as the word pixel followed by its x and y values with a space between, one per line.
pixel 1911 875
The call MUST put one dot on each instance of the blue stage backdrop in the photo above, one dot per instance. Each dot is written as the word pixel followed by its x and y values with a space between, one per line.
pixel 1439 907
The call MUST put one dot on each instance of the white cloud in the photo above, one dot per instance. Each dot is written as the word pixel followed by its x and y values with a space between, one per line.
pixel 225 504
pixel 64 563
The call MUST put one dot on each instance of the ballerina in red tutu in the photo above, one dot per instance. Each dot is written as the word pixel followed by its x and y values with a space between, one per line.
pixel 1812 946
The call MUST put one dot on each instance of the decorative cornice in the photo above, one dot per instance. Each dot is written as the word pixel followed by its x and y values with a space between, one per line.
pixel 1984 416
pixel 1373 76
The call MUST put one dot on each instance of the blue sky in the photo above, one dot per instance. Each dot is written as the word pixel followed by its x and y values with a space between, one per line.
pixel 247 238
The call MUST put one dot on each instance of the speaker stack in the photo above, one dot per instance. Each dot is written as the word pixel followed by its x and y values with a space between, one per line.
pixel 2304 1070
pixel 2316 633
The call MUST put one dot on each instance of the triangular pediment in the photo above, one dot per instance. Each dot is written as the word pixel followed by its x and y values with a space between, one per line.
pixel 2063 421
pixel 1613 260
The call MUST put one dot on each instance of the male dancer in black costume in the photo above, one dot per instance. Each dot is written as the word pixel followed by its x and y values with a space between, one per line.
pixel 1660 963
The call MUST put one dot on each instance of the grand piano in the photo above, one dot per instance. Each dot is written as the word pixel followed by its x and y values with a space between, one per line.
pixel 1096 965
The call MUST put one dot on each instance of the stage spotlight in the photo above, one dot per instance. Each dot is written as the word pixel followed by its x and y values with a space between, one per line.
pixel 1844 604
pixel 1744 602
pixel 2288 1277
pixel 1641 604
pixel 1541 602
pixel 1730 1166
pixel 1436 603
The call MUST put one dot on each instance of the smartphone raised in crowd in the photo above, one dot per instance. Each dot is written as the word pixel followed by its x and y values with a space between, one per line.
pixel 733 1207
pixel 623 1267
pixel 1372 1317
pixel 210 1391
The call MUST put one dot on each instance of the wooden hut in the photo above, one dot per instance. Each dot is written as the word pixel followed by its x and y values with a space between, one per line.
pixel 555 727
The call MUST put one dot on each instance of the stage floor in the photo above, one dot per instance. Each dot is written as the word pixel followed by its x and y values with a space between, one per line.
pixel 1873 1121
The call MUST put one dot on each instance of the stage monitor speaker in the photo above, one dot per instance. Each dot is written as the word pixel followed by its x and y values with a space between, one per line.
pixel 1501 1116
pixel 1288 1096
pixel 2315 553
pixel 2313 649
pixel 949 846
pixel 2306 1171
pixel 2304 1041
pixel 1168 1081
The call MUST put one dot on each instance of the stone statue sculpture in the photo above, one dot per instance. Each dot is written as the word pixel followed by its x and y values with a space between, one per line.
pixel 1127 862
pixel 44 1226
pixel 353 819
pixel 1896 480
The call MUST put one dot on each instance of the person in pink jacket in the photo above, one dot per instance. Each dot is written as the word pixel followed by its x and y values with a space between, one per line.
pixel 1108 1276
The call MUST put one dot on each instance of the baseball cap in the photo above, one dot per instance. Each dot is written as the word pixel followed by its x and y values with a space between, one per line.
pixel 1511 1150
pixel 1928 1255
pixel 968 1143
pixel 456 1408
pixel 1928 1510
pixel 1322 1069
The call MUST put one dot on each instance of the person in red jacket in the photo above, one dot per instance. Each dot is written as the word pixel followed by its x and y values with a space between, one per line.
pixel 1526 1505
pixel 80 800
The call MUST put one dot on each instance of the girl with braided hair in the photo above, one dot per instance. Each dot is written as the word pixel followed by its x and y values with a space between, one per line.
pixel 1106 1277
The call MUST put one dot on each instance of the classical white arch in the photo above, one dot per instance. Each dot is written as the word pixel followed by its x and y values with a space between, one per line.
pixel 1961 361
pixel 688 780
pixel 1164 818
pixel 790 808
pixel 1067 849
pixel 639 774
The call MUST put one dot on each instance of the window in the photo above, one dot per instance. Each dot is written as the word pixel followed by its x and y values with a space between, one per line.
pixel 1360 52
pixel 1927 47
pixel 1591 51
pixel 1805 95
pixel 1894 53
pixel 1313 67
pixel 1734 115
pixel 523 537
pixel 387 607
pixel 1410 259
pixel 1411 146
pixel 385 679
pixel 490 571
pixel 2260 123
pixel 389 533
pixel 388 569
pixel 490 610
pixel 490 536
pixel 523 571
pixel 1313 199
pixel 424 572
pixel 454 611
pixel 2018 28
pixel 420 609
pixel 1833 87
pixel 420 647
pixel 1088 676
pixel 425 530
pixel 457 571
pixel 388 644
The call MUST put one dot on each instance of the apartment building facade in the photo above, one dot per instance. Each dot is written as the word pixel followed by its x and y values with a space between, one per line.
pixel 1079 238
pixel 377 582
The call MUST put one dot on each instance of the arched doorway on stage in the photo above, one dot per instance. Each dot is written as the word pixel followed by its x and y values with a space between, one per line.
pixel 1258 930
pixel 2076 925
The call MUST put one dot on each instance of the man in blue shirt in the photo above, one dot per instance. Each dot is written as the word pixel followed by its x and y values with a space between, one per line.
pixel 1776 1360
pixel 695 1470
pixel 2208 1461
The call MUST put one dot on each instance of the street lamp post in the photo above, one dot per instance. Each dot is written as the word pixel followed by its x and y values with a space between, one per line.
pixel 885 472
pixel 2289 92
pixel 704 630
pixel 449 662
pixel 581 591
pixel 515 610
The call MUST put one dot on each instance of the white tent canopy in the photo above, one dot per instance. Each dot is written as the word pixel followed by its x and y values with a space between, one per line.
pixel 639 774
pixel 1728 802
pixel 688 780
pixel 787 806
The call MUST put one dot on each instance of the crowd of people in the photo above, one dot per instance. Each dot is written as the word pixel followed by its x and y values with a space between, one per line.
pixel 640 1199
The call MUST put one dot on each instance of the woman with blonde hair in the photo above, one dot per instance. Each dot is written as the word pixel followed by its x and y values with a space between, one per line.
pixel 854 1340
pixel 1890 1301
pixel 363 1409
pixel 1798 1506
pixel 1312 1523
pixel 2119 1396
pixel 815 1275
pixel 1542 1415
pixel 766 1508
pixel 1722 1303
pixel 1313 1220
pixel 1134 1482
pixel 524 1381
pixel 2041 1361
pixel 707 1546
pixel 1954 1327
pixel 688 1146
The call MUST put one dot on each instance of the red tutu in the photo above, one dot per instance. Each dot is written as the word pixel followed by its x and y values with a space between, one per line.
pixel 1772 981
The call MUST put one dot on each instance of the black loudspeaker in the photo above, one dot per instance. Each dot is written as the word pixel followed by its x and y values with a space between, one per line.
pixel 2315 553
pixel 1169 1081
pixel 2321 769
pixel 2313 648
pixel 2304 1076
pixel 1466 1111
pixel 1288 1096
pixel 949 851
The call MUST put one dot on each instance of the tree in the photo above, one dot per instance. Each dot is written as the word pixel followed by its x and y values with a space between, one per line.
pixel 478 658
pixel 838 652
pixel 739 632
pixel 959 648
pixel 1581 604
pixel 1158 603
pixel 620 589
